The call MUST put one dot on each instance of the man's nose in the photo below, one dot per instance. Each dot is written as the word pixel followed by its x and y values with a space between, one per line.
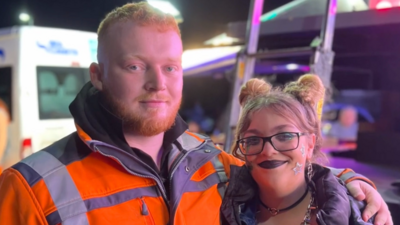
pixel 155 80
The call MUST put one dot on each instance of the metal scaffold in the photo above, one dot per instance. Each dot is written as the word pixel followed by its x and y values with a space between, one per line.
pixel 320 52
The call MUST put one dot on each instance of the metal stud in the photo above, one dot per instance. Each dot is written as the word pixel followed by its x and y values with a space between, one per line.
pixel 187 169
pixel 207 151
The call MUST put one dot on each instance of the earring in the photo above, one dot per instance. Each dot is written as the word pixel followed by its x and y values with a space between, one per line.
pixel 297 169
pixel 302 150
pixel 309 171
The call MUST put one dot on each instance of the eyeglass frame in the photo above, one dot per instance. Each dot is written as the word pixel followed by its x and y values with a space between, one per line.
pixel 269 139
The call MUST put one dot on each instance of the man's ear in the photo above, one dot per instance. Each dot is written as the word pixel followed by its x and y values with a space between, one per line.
pixel 96 76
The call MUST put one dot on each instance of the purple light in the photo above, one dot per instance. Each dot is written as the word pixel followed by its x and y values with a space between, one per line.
pixel 333 9
pixel 257 12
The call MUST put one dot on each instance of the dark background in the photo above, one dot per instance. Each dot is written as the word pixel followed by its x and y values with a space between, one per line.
pixel 203 19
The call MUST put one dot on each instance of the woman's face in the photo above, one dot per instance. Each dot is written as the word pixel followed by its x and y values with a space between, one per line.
pixel 271 167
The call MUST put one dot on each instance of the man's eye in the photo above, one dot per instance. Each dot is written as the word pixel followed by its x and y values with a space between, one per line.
pixel 134 67
pixel 170 69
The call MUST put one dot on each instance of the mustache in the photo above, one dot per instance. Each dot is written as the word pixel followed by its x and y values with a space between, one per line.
pixel 147 97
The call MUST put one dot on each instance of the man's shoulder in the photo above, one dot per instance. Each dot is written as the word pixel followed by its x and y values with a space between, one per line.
pixel 62 152
pixel 224 156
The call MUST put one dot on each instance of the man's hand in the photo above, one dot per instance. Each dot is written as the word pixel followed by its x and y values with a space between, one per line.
pixel 361 191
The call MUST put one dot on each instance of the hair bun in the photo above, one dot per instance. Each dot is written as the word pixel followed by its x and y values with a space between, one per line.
pixel 253 88
pixel 312 89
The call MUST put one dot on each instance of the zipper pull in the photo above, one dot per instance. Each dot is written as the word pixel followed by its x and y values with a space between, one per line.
pixel 145 210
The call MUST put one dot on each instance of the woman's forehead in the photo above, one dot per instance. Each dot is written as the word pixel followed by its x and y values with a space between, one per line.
pixel 271 121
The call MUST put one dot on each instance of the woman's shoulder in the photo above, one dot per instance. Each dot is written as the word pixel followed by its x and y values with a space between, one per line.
pixel 241 183
pixel 334 200
pixel 239 199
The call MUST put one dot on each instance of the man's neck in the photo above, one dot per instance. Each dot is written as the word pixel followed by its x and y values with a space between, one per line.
pixel 150 145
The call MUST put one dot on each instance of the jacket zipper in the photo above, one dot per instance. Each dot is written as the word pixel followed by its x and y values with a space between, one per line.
pixel 179 160
pixel 173 167
pixel 156 179
pixel 145 212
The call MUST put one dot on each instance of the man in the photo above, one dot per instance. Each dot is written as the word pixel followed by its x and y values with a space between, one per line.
pixel 131 160
pixel 341 136
pixel 346 128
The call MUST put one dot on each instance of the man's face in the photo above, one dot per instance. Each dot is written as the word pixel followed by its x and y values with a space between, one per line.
pixel 348 117
pixel 142 76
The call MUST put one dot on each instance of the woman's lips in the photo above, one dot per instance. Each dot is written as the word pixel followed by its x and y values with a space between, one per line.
pixel 271 164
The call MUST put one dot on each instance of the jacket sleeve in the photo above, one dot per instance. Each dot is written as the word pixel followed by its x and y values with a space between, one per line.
pixel 17 202
pixel 347 175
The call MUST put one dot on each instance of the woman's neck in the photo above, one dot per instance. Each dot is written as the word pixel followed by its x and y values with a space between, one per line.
pixel 282 196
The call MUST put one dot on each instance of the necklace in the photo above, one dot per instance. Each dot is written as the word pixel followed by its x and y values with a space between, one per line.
pixel 275 211
pixel 307 216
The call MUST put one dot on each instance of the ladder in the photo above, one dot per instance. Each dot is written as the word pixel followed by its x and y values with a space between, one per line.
pixel 320 50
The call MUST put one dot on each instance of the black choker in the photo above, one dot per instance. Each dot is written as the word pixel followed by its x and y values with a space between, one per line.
pixel 274 211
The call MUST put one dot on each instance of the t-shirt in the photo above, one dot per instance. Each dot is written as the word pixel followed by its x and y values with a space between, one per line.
pixel 340 132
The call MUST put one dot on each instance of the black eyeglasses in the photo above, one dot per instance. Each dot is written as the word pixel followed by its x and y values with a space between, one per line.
pixel 281 142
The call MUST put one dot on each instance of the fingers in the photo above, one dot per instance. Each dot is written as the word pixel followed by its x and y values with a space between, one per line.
pixel 373 200
pixel 383 217
pixel 355 190
pixel 361 190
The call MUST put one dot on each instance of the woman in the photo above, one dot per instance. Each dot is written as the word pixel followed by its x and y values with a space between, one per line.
pixel 279 137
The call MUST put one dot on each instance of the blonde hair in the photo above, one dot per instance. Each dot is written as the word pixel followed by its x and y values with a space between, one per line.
pixel 142 13
pixel 297 102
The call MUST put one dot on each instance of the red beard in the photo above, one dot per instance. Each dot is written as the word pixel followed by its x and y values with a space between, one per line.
pixel 145 124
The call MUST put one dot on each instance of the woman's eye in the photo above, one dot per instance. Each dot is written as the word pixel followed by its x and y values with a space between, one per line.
pixel 285 137
pixel 253 141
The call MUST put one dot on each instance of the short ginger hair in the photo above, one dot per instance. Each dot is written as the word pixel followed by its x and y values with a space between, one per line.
pixel 142 13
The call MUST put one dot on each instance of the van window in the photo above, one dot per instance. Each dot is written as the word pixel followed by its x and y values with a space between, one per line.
pixel 6 87
pixel 57 88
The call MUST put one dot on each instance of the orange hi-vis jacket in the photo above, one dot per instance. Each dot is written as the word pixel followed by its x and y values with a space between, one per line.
pixel 59 185
pixel 84 180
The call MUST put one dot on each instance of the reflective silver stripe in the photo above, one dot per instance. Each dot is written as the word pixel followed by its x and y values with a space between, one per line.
pixel 61 187
pixel 121 197
pixel 219 167
pixel 189 142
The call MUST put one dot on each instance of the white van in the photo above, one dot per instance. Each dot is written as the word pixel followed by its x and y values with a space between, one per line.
pixel 41 72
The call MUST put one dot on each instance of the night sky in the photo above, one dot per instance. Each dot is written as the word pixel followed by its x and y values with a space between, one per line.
pixel 203 19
